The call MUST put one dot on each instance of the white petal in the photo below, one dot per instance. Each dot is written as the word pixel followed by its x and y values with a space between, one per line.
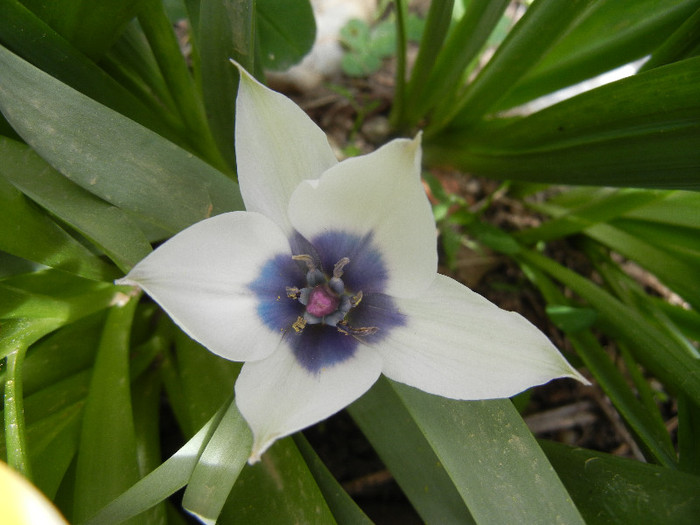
pixel 379 193
pixel 277 396
pixel 459 345
pixel 277 146
pixel 200 277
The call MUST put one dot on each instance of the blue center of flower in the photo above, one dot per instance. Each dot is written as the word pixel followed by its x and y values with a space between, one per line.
pixel 327 300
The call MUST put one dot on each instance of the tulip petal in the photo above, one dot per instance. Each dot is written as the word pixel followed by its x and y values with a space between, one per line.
pixel 457 344
pixel 202 276
pixel 277 146
pixel 278 395
pixel 377 196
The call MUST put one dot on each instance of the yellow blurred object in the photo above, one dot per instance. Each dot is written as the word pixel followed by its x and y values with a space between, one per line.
pixel 21 503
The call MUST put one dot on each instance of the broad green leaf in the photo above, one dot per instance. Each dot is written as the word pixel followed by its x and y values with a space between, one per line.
pixel 641 131
pixel 110 155
pixel 609 489
pixel 609 34
pixel 169 477
pixel 279 489
pixel 105 225
pixel 286 30
pixel 33 40
pixel 403 448
pixel 90 26
pixel 107 440
pixel 344 509
pixel 218 467
pixel 493 459
pixel 31 234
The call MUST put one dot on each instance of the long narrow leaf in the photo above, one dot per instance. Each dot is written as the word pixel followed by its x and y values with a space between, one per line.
pixel 107 440
pixel 110 155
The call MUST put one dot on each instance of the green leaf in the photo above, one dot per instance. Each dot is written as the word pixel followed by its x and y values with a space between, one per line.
pixel 609 489
pixel 490 456
pixel 13 410
pixel 607 35
pixel 286 31
pixel 91 27
pixel 461 47
pixel 344 509
pixel 279 489
pixel 493 459
pixel 105 225
pixel 218 467
pixel 656 350
pixel 107 440
pixel 110 155
pixel 226 32
pixel 531 38
pixel 206 379
pixel 166 50
pixel 36 42
pixel 641 131
pixel 404 449
pixel 30 234
pixel 651 432
pixel 164 481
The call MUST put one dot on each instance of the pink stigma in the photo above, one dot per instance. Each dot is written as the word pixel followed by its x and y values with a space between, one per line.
pixel 322 301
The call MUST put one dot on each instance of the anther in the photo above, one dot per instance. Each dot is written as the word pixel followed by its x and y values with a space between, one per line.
pixel 338 268
pixel 355 299
pixel 307 259
pixel 299 324
pixel 293 292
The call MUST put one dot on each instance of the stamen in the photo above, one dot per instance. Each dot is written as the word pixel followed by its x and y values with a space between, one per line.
pixel 293 292
pixel 360 331
pixel 338 268
pixel 310 264
pixel 299 324
pixel 355 299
